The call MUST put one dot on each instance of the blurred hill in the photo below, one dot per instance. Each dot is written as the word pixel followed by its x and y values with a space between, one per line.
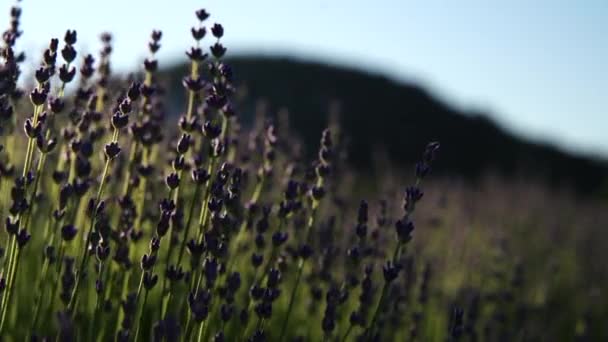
pixel 380 114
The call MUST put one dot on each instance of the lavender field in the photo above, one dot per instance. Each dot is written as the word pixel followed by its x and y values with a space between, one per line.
pixel 122 221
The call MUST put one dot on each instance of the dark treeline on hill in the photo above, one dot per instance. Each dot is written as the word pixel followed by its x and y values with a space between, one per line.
pixel 379 113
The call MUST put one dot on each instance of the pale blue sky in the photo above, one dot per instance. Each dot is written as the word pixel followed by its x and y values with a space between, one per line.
pixel 538 67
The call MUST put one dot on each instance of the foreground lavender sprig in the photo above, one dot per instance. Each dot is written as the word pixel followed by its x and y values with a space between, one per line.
pixel 317 192
pixel 404 229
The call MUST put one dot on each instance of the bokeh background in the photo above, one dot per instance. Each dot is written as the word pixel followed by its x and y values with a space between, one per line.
pixel 503 84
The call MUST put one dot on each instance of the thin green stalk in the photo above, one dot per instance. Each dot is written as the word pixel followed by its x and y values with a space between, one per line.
pixel 141 310
pixel 195 199
pixel 301 262
pixel 141 316
pixel 38 176
pixel 10 290
pixel 370 330
pixel 39 295
pixel 202 220
pixel 89 231
pixel 142 193
pixel 348 331
pixel 13 252
pixel 255 196
pixel 271 260
pixel 164 291
pixel 200 330
pixel 88 239
pixel 191 94
pixel 123 294
pixel 15 249
pixel 8 261
pixel 197 277
pixel 292 298
pixel 92 329
pixel 57 281
pixel 8 269
pixel 188 326
pixel 167 302
pixel 31 144
pixel 107 295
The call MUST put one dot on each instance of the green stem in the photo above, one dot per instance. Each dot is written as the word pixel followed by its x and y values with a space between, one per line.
pixel 195 199
pixel 242 229
pixel 14 249
pixel 311 220
pixel 202 220
pixel 40 295
pixel 56 282
pixel 142 194
pixel 85 255
pixel 11 287
pixel 348 331
pixel 292 298
pixel 141 316
pixel 31 144
pixel 200 331
pixel 271 260
pixel 188 326
pixel 98 303
pixel 370 330
pixel 130 165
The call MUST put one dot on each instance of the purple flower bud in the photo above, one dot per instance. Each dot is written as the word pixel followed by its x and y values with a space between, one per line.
pixel 102 252
pixel 196 54
pixel 12 226
pixel 202 14
pixel 112 150
pixel 318 192
pixel 154 244
pixel 70 37
pixel 200 176
pixel 198 33
pixel 126 106
pixel 217 30
pixel 404 228
pixel 183 144
pixel 120 120
pixel 38 96
pixel 256 259
pixel 148 261
pixel 66 75
pixel 42 75
pixel 172 180
pixel 390 271
pixel 211 130
pixel 193 84
pixel 218 50
pixel 22 238
pixel 156 35
pixel 68 232
pixel 150 280
pixel 150 65
pixel 134 91
pixel 279 238
pixel 68 53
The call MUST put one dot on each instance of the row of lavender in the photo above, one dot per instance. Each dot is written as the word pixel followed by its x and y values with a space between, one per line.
pixel 118 228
